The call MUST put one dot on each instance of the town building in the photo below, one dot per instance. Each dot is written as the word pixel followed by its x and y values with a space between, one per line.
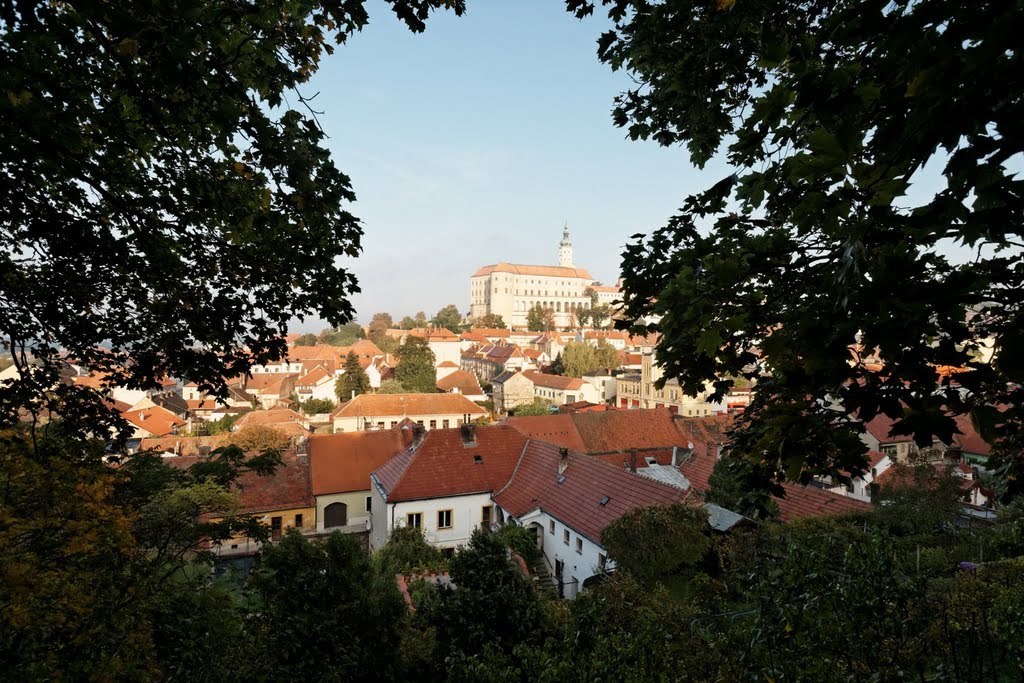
pixel 384 411
pixel 639 391
pixel 560 390
pixel 340 469
pixel 511 290
pixel 509 390
pixel 442 484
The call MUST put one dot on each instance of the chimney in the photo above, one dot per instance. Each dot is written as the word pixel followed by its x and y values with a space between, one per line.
pixel 632 460
pixel 563 459
pixel 418 432
pixel 468 434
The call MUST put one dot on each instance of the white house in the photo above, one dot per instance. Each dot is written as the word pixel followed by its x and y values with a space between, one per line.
pixel 383 411
pixel 561 390
pixel 568 500
pixel 443 483
pixel 318 383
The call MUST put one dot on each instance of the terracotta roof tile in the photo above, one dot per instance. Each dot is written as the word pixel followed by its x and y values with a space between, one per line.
pixel 574 498
pixel 617 430
pixel 465 382
pixel 549 271
pixel 880 428
pixel 553 381
pixel 154 419
pixel 969 440
pixel 442 465
pixel 798 502
pixel 557 429
pixel 343 462
pixel 374 405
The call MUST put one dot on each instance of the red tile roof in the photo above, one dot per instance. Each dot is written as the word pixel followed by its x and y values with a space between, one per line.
pixel 447 364
pixel 343 462
pixel 374 405
pixel 465 382
pixel 442 465
pixel 880 428
pixel 314 377
pixel 287 488
pixel 574 498
pixel 557 429
pixel 553 381
pixel 969 440
pixel 154 419
pixel 618 430
pixel 604 431
pixel 799 501
pixel 544 271
pixel 434 334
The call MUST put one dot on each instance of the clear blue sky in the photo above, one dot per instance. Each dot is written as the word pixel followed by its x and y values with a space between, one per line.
pixel 471 143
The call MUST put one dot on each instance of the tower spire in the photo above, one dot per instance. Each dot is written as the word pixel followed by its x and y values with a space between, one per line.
pixel 565 248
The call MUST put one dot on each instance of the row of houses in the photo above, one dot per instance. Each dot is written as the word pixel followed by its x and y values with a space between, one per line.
pixel 564 476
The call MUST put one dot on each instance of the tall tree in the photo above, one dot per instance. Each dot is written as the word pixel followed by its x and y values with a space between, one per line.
pixel 406 323
pixel 490 321
pixel 354 381
pixel 539 319
pixel 379 324
pixel 415 369
pixel 306 340
pixel 828 113
pixel 309 594
pixel 582 317
pixel 606 356
pixel 391 386
pixel 169 210
pixel 448 318
pixel 578 359
pixel 600 314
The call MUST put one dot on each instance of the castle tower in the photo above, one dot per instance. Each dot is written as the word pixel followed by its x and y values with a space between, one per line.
pixel 565 249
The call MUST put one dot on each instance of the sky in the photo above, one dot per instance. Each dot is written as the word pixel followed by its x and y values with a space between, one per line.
pixel 473 142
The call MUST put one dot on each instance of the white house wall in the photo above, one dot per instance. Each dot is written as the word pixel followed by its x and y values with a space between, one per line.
pixel 579 566
pixel 467 512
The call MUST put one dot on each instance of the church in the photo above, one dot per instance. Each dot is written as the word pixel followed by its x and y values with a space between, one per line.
pixel 511 290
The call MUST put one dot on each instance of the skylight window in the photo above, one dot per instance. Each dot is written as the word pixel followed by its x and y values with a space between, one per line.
pixel 477 459
pixel 561 478
pixel 604 501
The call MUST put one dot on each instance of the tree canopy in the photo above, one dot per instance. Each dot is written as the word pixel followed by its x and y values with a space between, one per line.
pixel 354 381
pixel 491 321
pixel 448 318
pixel 539 319
pixel 415 369
pixel 814 244
pixel 171 203
pixel 580 358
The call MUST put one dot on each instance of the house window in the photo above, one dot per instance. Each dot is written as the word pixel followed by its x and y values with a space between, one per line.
pixel 579 546
pixel 551 527
pixel 485 516
pixel 444 424
pixel 419 422
pixel 414 519
pixel 433 424
pixel 444 519
pixel 565 537
pixel 394 423
pixel 275 528
pixel 298 521
pixel 380 425
pixel 369 503
pixel 602 562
